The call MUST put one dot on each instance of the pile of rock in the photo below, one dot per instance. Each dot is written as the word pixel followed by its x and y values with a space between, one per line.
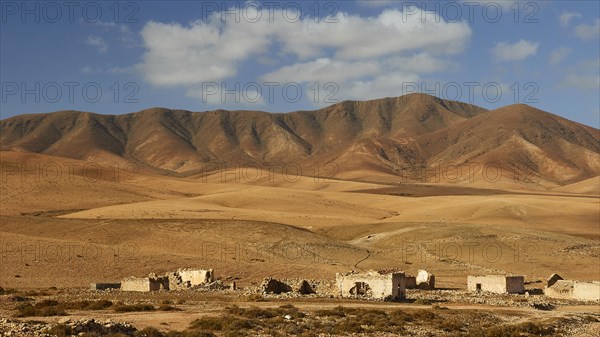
pixel 296 287
pixel 16 328
pixel 92 326
pixel 67 326
pixel 217 285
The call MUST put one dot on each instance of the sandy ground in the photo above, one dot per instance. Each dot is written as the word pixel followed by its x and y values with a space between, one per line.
pixel 71 230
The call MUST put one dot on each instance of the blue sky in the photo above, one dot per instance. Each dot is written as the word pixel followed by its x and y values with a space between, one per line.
pixel 118 57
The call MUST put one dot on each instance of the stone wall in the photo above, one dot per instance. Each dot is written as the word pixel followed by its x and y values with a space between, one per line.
pixel 187 278
pixel 425 280
pixel 562 289
pixel 574 290
pixel 274 286
pixel 135 284
pixel 196 277
pixel 498 284
pixel 271 285
pixel 552 279
pixel 104 286
pixel 411 282
pixel 151 283
pixel 515 284
pixel 371 284
pixel 586 291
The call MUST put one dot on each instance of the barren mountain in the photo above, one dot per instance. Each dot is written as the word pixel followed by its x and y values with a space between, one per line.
pixel 391 136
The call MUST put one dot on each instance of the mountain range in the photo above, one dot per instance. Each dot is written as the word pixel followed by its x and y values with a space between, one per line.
pixel 401 136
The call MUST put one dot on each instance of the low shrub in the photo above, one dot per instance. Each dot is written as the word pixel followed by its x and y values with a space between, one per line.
pixel 133 307
pixel 41 309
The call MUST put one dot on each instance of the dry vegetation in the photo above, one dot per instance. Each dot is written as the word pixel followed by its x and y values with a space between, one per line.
pixel 206 314
pixel 288 320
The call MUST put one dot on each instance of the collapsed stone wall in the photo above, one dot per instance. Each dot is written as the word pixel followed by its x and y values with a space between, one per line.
pixel 187 278
pixel 180 279
pixel 562 289
pixel 296 286
pixel 105 286
pixel 274 286
pixel 574 290
pixel 425 280
pixel 371 284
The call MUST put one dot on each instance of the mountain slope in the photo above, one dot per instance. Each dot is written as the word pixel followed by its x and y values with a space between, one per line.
pixel 391 136
pixel 523 141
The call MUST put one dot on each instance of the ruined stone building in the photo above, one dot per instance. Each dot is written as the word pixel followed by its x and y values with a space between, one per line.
pixel 557 287
pixel 105 286
pixel 271 285
pixel 499 284
pixel 372 284
pixel 425 280
pixel 180 279
pixel 187 278
pixel 150 283
pixel 410 282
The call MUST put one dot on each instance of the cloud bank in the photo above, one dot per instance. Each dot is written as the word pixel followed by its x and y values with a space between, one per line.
pixel 356 52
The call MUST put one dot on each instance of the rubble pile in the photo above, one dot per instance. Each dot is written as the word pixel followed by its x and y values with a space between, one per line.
pixel 70 327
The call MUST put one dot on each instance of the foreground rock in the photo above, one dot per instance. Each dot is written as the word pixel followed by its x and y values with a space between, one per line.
pixel 67 327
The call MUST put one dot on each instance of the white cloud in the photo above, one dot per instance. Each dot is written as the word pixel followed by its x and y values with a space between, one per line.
pixel 421 63
pixel 363 79
pixel 328 70
pixel 559 54
pixel 98 42
pixel 503 4
pixel 324 70
pixel 127 37
pixel 588 32
pixel 393 31
pixel 387 85
pixel 203 52
pixel 213 50
pixel 566 17
pixel 376 3
pixel 504 51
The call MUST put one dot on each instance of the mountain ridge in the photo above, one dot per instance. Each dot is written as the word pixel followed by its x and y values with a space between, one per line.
pixel 413 130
